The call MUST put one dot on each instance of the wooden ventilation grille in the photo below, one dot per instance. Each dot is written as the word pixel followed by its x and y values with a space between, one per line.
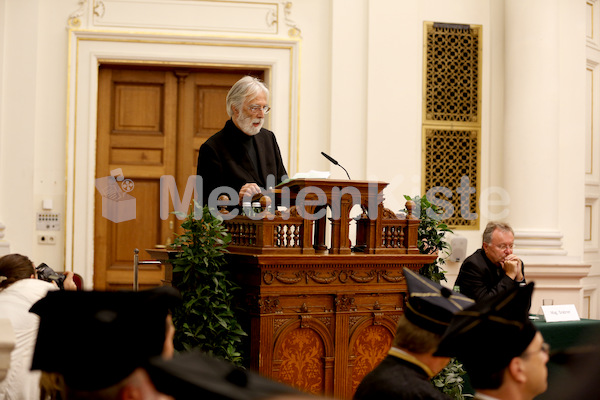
pixel 452 120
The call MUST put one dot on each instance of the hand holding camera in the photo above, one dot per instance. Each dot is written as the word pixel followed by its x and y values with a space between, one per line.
pixel 64 281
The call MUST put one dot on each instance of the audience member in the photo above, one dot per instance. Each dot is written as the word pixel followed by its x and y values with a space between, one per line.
pixel 19 290
pixel 111 336
pixel 494 268
pixel 406 371
pixel 243 154
pixel 501 350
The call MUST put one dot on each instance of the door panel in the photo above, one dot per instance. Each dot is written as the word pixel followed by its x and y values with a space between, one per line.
pixel 151 122
pixel 136 132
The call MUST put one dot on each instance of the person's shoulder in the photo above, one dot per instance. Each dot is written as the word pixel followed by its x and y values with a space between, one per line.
pixel 32 284
pixel 216 138
pixel 265 133
pixel 29 289
pixel 475 257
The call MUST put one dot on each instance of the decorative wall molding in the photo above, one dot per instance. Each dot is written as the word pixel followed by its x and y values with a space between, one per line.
pixel 592 144
pixel 247 17
pixel 74 20
pixel 539 243
pixel 294 30
pixel 592 23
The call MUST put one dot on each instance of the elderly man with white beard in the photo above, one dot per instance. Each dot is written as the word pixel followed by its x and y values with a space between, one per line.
pixel 243 154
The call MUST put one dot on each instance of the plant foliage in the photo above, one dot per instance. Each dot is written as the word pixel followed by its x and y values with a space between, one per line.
pixel 450 380
pixel 207 318
pixel 431 236
pixel 432 239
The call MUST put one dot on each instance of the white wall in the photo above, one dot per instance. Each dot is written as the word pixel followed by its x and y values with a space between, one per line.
pixel 18 124
pixel 32 127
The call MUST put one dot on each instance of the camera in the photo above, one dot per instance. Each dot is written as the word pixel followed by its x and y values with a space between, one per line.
pixel 45 273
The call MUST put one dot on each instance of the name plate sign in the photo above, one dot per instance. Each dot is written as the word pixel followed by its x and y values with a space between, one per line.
pixel 559 313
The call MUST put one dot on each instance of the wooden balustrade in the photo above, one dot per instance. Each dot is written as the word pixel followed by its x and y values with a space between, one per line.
pixel 285 233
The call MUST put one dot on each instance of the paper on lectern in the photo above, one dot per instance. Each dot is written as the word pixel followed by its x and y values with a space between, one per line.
pixel 312 174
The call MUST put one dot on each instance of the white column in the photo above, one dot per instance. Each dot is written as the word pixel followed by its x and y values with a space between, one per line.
pixel 531 137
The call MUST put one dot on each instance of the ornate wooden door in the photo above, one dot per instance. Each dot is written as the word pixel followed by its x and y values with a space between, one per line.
pixel 151 122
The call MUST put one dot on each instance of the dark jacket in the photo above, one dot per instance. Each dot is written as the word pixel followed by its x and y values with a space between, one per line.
pixel 395 378
pixel 223 160
pixel 479 278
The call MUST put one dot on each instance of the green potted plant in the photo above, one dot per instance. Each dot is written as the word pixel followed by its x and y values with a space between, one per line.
pixel 431 236
pixel 207 318
pixel 432 239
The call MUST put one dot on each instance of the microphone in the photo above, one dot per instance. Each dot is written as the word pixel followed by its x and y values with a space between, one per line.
pixel 336 163
pixel 356 248
pixel 330 159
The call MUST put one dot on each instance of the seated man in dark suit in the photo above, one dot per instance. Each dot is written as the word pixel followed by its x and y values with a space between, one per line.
pixel 501 350
pixel 406 371
pixel 242 156
pixel 494 268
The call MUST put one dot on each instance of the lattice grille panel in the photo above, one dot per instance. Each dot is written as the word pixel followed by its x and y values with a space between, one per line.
pixel 449 156
pixel 452 73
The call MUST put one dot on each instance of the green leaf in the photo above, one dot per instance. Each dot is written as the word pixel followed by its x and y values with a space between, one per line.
pixel 207 318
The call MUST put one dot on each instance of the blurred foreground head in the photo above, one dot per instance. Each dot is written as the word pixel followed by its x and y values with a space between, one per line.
pixel 501 349
pixel 196 375
pixel 96 340
pixel 431 306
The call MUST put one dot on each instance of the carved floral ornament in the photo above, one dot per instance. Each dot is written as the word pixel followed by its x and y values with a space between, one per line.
pixel 91 13
pixel 326 277
pixel 345 303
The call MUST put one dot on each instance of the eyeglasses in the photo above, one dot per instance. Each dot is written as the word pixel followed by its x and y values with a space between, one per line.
pixel 254 108
pixel 545 348
pixel 505 246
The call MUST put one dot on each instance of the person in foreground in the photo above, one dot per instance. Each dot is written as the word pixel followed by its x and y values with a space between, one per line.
pixel 406 371
pixel 501 350
pixel 243 154
pixel 109 336
pixel 19 290
pixel 494 268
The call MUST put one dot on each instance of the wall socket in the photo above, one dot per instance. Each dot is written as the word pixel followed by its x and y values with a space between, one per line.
pixel 46 221
pixel 46 239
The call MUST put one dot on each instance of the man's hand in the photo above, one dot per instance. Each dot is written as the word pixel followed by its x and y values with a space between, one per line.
pixel 248 191
pixel 513 267
pixel 68 283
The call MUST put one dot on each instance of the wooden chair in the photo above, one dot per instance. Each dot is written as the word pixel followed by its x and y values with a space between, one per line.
pixel 78 280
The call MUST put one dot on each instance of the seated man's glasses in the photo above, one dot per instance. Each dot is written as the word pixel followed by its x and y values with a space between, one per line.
pixel 545 348
pixel 255 108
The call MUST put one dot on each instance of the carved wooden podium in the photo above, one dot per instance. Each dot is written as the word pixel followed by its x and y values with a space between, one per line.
pixel 321 317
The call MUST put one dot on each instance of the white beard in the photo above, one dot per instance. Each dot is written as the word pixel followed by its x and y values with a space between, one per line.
pixel 246 122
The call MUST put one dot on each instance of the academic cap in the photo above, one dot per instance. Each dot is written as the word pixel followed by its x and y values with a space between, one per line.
pixel 97 339
pixel 486 336
pixel 430 305
pixel 196 375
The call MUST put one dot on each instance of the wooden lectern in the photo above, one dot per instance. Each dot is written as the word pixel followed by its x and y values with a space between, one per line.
pixel 321 317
